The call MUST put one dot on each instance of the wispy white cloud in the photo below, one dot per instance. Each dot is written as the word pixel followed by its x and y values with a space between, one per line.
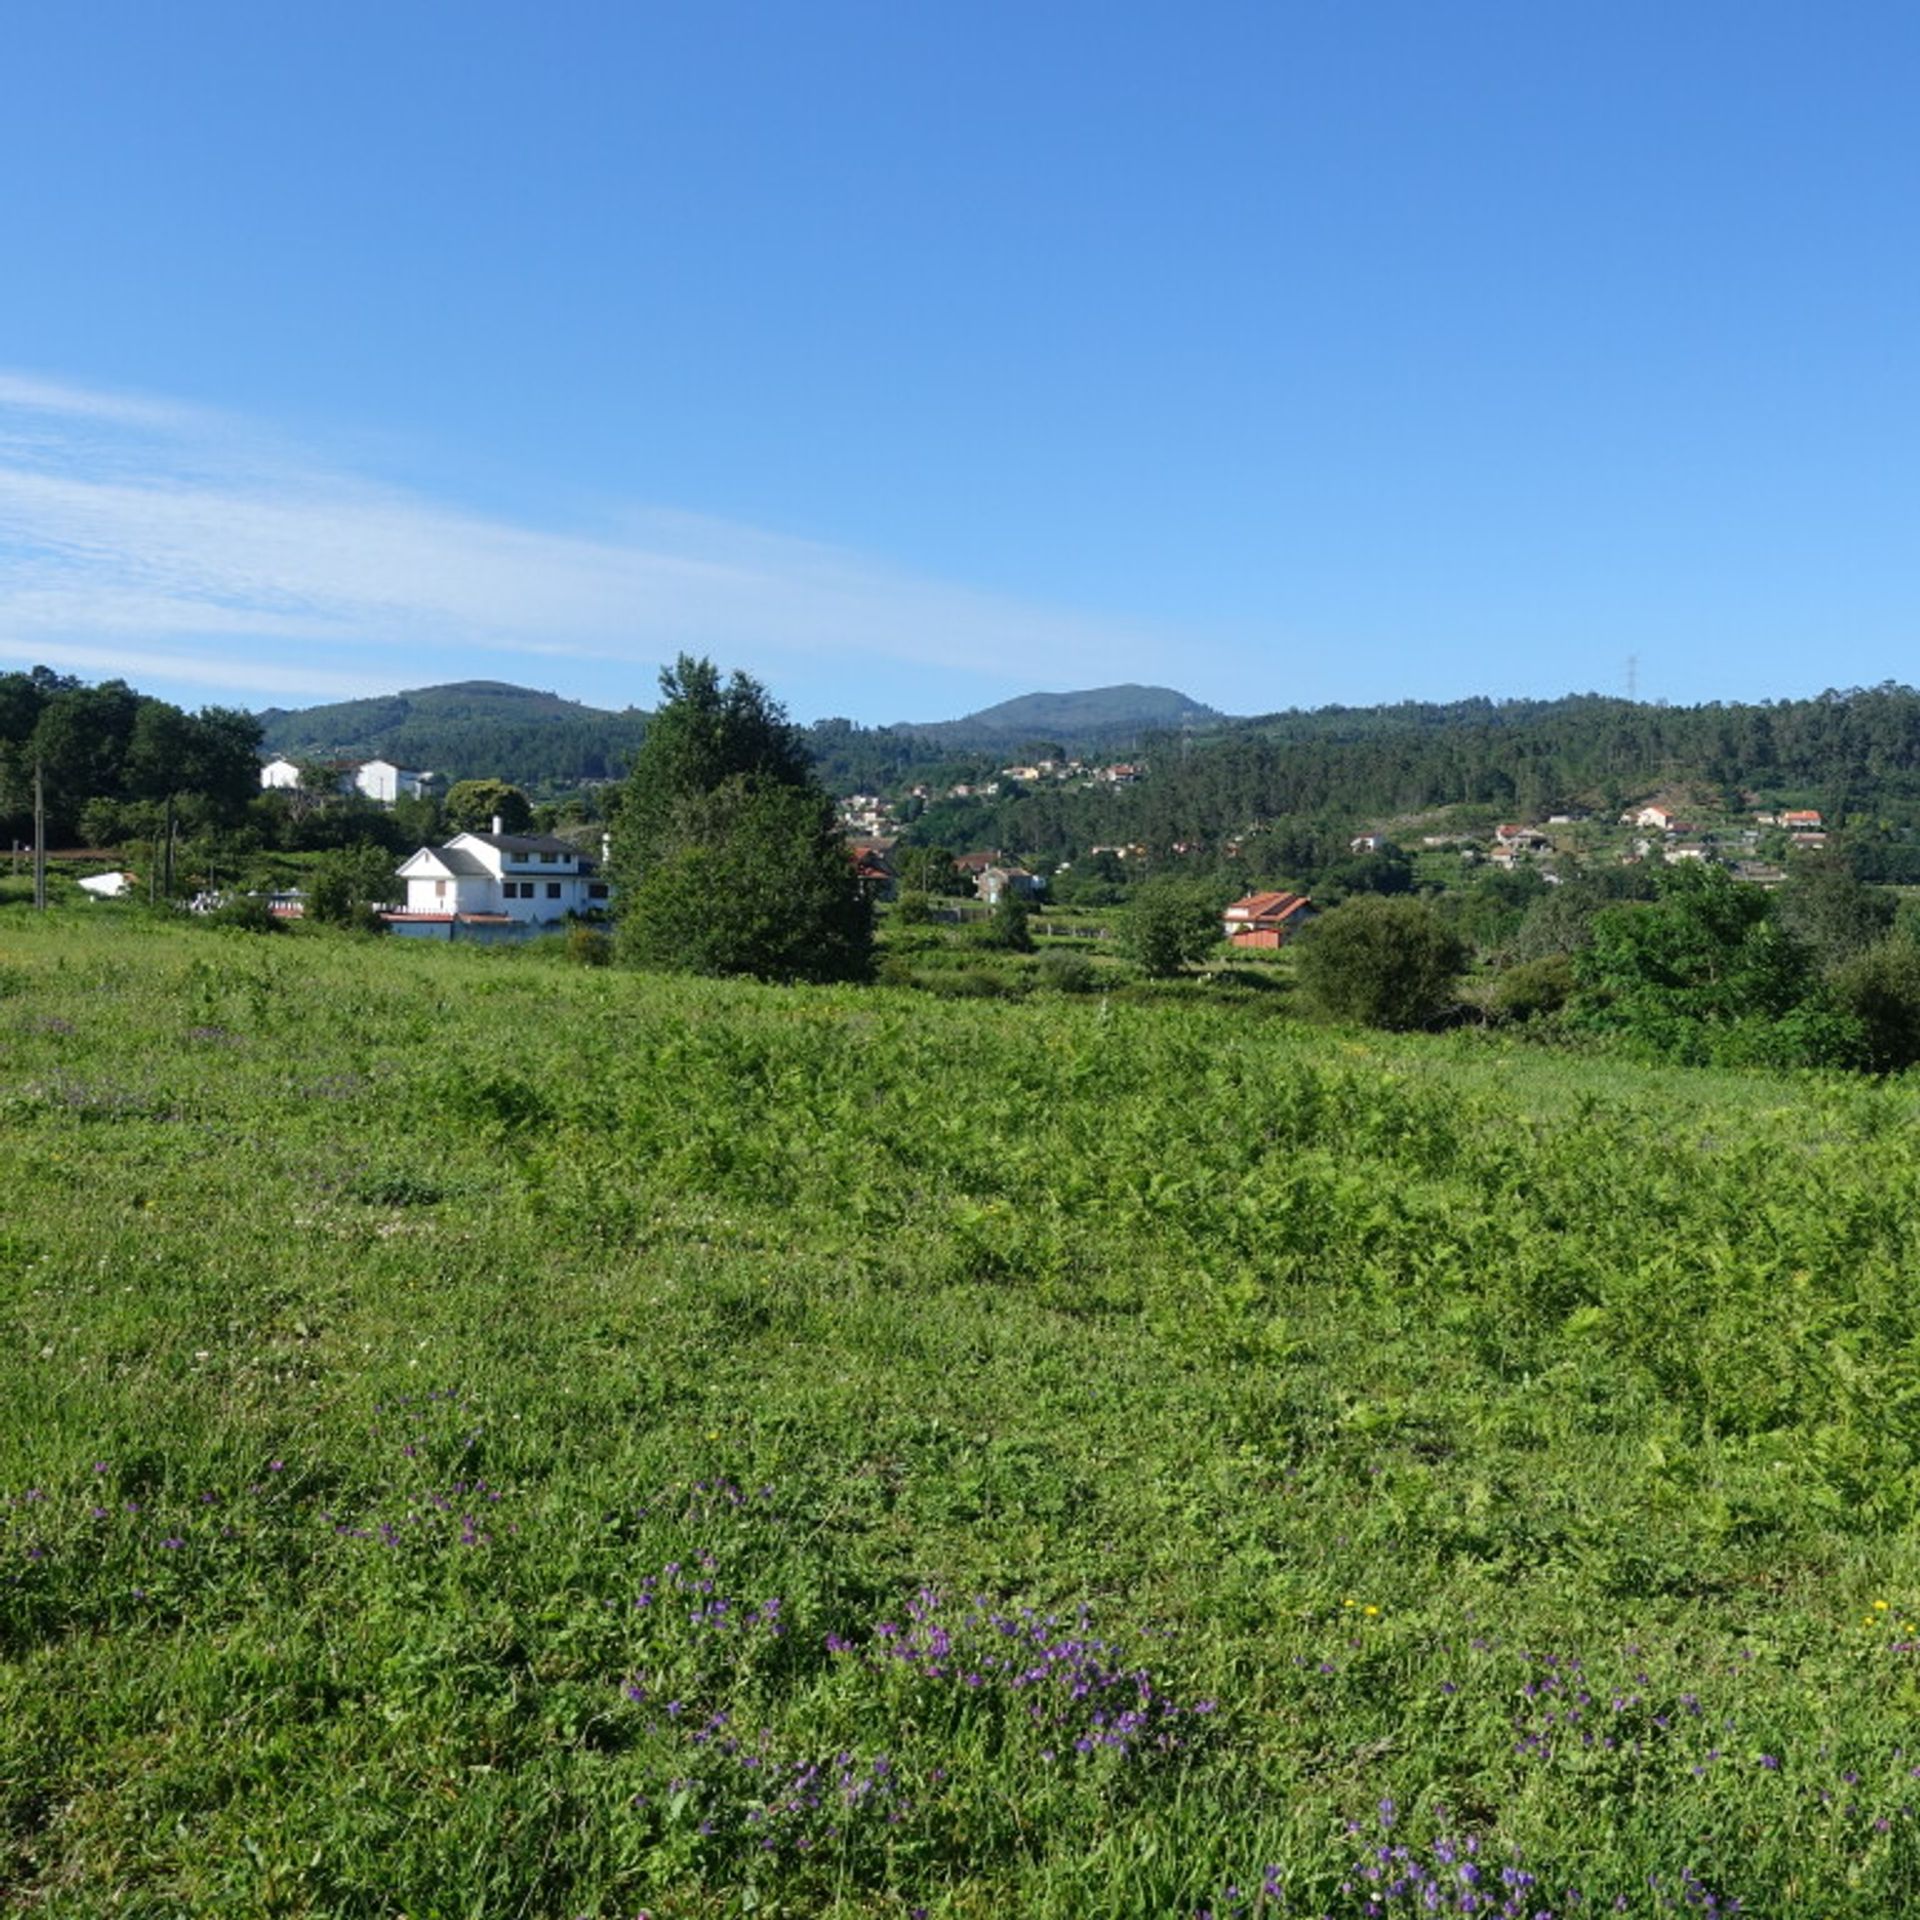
pixel 141 537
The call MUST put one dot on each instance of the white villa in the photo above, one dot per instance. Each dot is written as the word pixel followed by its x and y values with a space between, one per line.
pixel 496 886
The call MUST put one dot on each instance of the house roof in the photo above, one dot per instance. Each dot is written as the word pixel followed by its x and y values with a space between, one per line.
pixel 1268 906
pixel 522 842
pixel 455 860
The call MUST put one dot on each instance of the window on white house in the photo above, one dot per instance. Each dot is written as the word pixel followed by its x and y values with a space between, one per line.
pixel 553 889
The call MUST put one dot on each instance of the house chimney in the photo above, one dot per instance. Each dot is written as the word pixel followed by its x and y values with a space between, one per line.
pixel 499 826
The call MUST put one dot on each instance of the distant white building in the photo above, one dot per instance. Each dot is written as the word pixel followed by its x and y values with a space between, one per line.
pixel 381 780
pixel 377 780
pixel 107 886
pixel 995 881
pixel 496 886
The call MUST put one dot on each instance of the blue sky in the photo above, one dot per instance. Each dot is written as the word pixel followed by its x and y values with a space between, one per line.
pixel 915 356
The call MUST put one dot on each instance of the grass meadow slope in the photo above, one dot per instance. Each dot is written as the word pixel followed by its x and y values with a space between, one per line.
pixel 479 1438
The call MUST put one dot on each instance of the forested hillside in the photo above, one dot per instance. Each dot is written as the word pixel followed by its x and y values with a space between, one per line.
pixel 472 729
pixel 1846 752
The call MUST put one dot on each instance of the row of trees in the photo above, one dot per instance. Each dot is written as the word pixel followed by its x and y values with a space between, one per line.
pixel 109 747
pixel 1707 969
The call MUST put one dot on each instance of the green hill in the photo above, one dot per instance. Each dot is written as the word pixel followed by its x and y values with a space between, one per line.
pixel 470 729
pixel 1096 716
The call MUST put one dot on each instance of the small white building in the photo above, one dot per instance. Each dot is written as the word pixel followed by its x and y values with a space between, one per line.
pixel 496 886
pixel 107 886
pixel 995 881
pixel 381 780
pixel 281 774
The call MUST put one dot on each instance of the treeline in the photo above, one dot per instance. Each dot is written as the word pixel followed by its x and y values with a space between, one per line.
pixel 1845 752
pixel 107 755
pixel 1686 965
pixel 120 769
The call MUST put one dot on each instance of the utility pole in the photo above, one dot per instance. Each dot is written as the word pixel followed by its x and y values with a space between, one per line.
pixel 39 841
pixel 1633 676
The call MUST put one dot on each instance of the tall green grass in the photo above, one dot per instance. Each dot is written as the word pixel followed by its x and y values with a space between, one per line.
pixel 479 1436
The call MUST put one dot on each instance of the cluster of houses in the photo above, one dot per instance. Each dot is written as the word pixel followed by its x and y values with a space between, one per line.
pixel 873 815
pixel 378 780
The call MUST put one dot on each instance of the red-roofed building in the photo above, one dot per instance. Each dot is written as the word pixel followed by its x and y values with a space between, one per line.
pixel 870 868
pixel 1266 919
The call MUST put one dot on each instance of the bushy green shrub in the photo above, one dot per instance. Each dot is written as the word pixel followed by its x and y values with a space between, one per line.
pixel 1381 961
pixel 589 946
pixel 1067 972
pixel 1533 988
pixel 245 913
pixel 1880 988
pixel 1170 925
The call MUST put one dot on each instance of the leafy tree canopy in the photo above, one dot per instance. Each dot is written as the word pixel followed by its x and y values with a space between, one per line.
pixel 472 806
pixel 726 854
pixel 1381 961
pixel 706 733
pixel 1170 925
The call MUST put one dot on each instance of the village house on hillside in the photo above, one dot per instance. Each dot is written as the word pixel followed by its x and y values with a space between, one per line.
pixel 496 886
pixel 874 872
pixel 1658 817
pixel 995 881
pixel 1266 920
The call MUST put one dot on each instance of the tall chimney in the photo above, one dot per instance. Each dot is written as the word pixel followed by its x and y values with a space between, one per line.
pixel 499 826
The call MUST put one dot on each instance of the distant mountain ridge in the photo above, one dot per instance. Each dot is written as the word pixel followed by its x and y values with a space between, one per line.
pixel 474 729
pixel 1089 718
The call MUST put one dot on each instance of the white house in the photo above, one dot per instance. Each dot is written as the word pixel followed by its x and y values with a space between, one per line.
pixel 997 880
pixel 496 886
pixel 381 780
pixel 377 780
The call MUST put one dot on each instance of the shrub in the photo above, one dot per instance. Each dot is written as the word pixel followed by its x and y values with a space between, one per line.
pixel 1067 972
pixel 588 946
pixel 1533 988
pixel 1382 962
pixel 1011 923
pixel 1880 988
pixel 245 913
pixel 1170 925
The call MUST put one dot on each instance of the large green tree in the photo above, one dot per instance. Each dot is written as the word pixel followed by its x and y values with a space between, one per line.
pixel 1382 962
pixel 727 858
pixel 472 806
pixel 1170 925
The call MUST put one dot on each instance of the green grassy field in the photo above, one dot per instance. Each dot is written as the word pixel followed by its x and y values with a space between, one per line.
pixel 479 1437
